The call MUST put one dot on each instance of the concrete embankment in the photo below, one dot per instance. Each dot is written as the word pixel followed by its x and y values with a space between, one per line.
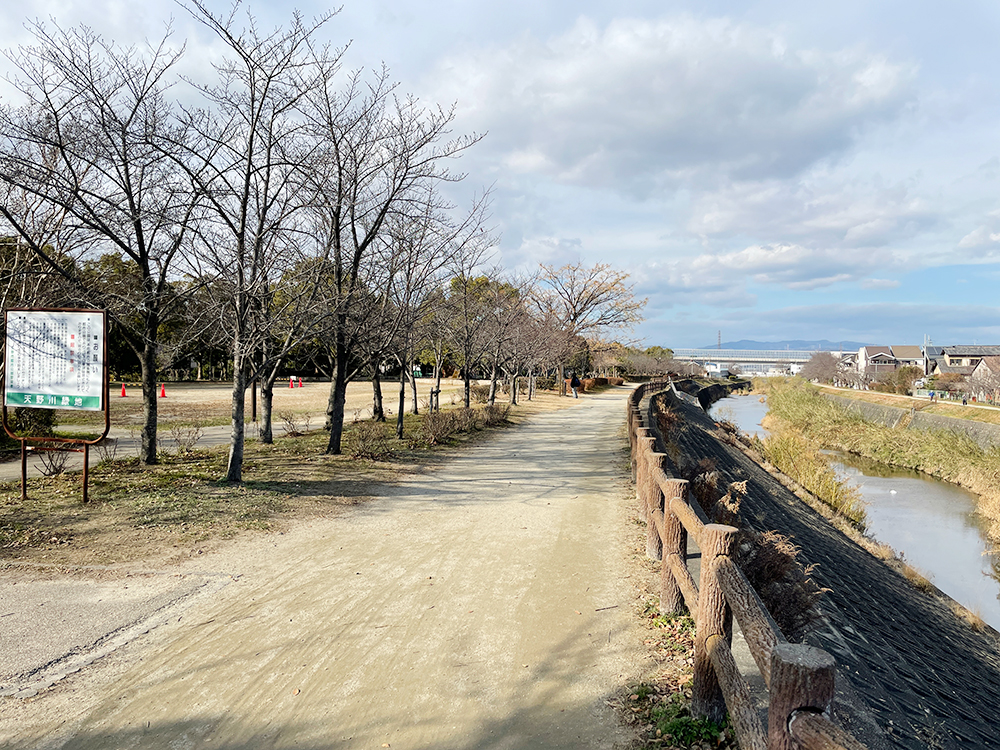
pixel 984 434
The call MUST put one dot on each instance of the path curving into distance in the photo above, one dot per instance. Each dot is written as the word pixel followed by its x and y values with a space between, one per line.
pixel 481 604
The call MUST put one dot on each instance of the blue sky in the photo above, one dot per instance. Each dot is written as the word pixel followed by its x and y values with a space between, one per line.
pixel 773 170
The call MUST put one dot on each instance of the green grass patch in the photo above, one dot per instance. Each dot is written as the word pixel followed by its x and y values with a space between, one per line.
pixel 672 718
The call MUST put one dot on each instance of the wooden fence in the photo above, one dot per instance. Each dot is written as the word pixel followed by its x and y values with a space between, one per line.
pixel 799 678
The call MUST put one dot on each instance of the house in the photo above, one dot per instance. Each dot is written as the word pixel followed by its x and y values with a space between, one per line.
pixel 933 355
pixel 967 356
pixel 984 381
pixel 875 359
pixel 909 356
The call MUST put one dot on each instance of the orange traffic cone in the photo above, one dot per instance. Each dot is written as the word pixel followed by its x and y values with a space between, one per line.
pixel 163 390
pixel 124 395
pixel 291 382
pixel 300 381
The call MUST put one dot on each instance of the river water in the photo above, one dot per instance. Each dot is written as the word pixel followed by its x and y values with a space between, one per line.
pixel 931 523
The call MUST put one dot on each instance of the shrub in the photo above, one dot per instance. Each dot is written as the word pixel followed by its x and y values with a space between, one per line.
pixel 28 422
pixel 768 559
pixel 438 427
pixel 479 394
pixel 545 383
pixel 466 420
pixel 495 415
pixel 368 440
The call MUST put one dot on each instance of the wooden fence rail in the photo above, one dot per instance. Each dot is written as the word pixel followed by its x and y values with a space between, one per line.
pixel 799 678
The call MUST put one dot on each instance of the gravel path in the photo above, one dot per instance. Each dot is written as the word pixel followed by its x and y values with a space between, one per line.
pixel 929 678
pixel 483 604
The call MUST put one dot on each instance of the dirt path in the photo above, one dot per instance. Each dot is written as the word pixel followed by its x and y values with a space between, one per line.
pixel 484 604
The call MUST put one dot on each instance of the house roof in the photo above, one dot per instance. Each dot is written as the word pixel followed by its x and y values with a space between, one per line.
pixel 966 350
pixel 873 351
pixel 990 363
pixel 941 369
pixel 907 352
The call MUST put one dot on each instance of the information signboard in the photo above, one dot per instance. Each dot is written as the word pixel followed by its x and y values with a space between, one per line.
pixel 55 359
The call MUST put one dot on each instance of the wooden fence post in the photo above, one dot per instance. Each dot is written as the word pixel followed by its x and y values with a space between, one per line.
pixel 631 437
pixel 641 435
pixel 674 542
pixel 654 545
pixel 802 678
pixel 646 446
pixel 713 618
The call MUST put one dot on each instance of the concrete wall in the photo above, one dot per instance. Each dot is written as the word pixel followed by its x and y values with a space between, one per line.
pixel 985 435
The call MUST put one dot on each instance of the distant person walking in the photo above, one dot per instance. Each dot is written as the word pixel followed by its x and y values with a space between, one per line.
pixel 574 383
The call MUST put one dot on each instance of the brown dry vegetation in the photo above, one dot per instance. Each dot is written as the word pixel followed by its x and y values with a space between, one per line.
pixel 948 455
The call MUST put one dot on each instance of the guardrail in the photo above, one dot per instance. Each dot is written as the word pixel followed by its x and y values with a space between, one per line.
pixel 799 678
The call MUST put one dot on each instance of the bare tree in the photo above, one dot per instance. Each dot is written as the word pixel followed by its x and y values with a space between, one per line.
pixel 468 307
pixel 985 379
pixel 588 300
pixel 84 153
pixel 380 156
pixel 248 153
pixel 822 367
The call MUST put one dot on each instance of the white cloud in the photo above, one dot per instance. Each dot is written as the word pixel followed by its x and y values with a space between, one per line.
pixel 830 209
pixel 879 284
pixel 640 104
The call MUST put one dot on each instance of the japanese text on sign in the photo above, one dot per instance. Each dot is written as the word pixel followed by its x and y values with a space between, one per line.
pixel 55 359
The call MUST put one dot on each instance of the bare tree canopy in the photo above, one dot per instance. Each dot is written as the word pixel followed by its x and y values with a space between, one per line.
pixel 84 173
pixel 584 300
pixel 821 367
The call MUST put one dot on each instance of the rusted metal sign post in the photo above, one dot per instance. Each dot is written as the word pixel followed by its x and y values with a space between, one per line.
pixel 56 359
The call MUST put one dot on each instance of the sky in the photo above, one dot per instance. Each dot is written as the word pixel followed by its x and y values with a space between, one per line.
pixel 762 170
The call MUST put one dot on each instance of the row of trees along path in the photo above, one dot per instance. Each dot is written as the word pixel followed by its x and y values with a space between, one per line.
pixel 273 205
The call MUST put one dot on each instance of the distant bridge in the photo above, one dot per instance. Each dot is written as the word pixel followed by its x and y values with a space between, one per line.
pixel 748 360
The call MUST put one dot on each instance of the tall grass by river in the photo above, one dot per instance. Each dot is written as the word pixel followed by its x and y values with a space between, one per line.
pixel 798 410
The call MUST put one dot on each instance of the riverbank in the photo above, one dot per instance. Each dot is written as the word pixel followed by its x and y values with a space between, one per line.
pixel 953 456
pixel 928 676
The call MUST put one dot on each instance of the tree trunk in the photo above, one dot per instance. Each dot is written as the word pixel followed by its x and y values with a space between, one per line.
pixel 468 387
pixel 335 405
pixel 147 363
pixel 436 400
pixel 234 470
pixel 402 402
pixel 493 386
pixel 253 401
pixel 267 406
pixel 378 412
pixel 513 388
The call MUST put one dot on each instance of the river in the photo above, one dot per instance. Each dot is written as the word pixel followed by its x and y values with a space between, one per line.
pixel 931 523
